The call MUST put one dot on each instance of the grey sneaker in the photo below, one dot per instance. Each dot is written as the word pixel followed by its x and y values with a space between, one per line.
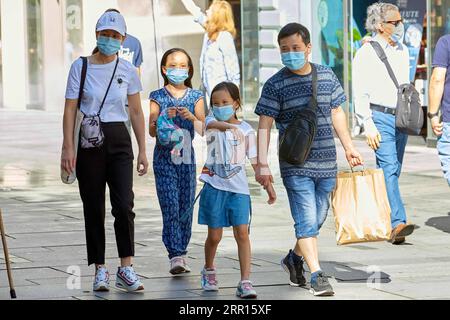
pixel 179 265
pixel 101 281
pixel 128 280
pixel 245 290
pixel 321 287
pixel 296 271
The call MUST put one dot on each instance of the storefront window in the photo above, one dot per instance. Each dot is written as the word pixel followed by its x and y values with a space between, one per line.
pixel 34 55
pixel 440 20
pixel 73 46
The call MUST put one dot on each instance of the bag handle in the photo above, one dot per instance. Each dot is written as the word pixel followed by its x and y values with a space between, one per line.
pixel 83 80
pixel 363 169
pixel 109 86
pixel 382 55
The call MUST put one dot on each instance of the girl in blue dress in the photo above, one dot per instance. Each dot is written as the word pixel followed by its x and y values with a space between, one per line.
pixel 175 172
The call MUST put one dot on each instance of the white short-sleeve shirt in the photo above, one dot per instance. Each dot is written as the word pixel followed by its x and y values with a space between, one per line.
pixel 225 165
pixel 125 83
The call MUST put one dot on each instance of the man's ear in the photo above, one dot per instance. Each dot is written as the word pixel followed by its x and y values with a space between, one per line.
pixel 309 49
pixel 380 27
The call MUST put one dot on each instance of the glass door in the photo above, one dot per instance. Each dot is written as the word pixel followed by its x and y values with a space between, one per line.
pixel 438 25
pixel 250 57
pixel 1 61
pixel 329 37
pixel 35 98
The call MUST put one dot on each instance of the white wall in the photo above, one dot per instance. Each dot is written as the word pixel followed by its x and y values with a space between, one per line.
pixel 13 54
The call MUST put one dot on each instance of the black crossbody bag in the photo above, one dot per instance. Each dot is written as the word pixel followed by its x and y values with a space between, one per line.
pixel 91 133
pixel 296 142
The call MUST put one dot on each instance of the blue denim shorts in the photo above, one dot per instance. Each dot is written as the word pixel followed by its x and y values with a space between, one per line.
pixel 309 199
pixel 222 209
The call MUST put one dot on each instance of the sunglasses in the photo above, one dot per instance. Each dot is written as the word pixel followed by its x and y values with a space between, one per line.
pixel 395 23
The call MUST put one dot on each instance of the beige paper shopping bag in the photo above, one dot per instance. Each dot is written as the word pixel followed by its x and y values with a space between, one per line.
pixel 361 207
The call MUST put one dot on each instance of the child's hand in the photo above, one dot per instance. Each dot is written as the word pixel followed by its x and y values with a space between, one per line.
pixel 272 194
pixel 172 112
pixel 186 114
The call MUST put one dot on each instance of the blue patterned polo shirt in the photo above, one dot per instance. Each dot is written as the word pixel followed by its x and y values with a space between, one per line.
pixel 284 94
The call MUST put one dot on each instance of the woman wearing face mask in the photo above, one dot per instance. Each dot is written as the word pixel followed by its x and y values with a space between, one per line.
pixel 375 96
pixel 218 61
pixel 109 82
pixel 175 181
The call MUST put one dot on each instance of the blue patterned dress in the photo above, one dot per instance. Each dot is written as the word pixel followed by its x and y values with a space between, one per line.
pixel 176 183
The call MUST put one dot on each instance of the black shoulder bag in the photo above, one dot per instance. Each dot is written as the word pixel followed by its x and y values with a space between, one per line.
pixel 296 142
pixel 91 134
pixel 409 117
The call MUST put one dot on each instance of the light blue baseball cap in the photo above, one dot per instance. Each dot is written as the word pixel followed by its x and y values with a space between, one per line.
pixel 112 21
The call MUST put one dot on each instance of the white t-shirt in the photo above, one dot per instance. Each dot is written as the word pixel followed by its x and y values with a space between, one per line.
pixel 126 82
pixel 225 165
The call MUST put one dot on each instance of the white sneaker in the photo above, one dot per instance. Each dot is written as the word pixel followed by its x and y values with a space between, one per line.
pixel 101 281
pixel 209 280
pixel 178 265
pixel 127 279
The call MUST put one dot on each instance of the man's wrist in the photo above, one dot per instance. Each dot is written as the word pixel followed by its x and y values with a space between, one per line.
pixel 432 115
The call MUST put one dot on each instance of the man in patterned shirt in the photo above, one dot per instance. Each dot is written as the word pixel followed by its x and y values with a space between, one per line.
pixel 308 186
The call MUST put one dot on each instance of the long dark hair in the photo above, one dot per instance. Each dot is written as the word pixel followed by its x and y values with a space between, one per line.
pixel 188 81
pixel 232 89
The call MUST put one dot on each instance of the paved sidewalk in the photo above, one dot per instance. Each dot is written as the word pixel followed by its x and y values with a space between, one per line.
pixel 45 227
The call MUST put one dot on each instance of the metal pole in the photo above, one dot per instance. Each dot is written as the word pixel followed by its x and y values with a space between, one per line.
pixel 346 58
pixel 8 265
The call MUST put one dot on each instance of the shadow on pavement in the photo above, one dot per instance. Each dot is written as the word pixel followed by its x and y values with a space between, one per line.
pixel 344 273
pixel 440 223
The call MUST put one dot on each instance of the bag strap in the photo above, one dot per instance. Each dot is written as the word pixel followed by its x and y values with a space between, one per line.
pixel 109 86
pixel 382 55
pixel 83 80
pixel 314 82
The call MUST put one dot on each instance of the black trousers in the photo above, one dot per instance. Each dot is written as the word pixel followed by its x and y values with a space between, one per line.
pixel 111 164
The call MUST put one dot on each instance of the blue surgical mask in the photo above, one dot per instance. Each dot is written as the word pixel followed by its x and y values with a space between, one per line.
pixel 294 60
pixel 399 32
pixel 177 75
pixel 223 113
pixel 108 46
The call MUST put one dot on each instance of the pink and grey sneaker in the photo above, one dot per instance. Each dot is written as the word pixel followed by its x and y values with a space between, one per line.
pixel 101 281
pixel 128 280
pixel 178 265
pixel 209 280
pixel 245 290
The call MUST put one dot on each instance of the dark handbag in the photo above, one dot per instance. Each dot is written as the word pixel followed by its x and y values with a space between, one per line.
pixel 409 117
pixel 296 142
pixel 91 134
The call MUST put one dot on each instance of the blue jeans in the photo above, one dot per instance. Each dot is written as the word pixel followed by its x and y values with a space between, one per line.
pixel 309 199
pixel 390 159
pixel 443 147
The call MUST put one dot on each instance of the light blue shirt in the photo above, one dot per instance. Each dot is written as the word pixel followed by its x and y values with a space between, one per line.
pixel 125 83
pixel 219 61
